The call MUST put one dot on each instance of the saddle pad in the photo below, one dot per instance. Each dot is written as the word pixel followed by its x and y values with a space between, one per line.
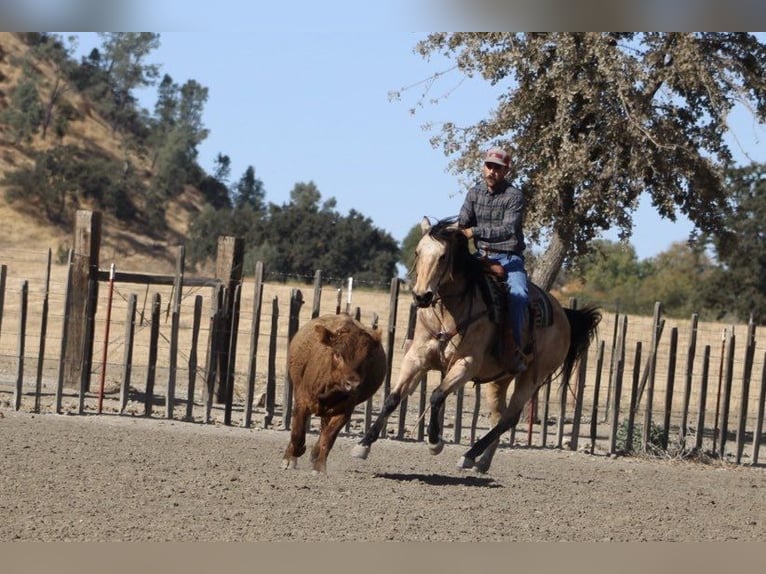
pixel 540 308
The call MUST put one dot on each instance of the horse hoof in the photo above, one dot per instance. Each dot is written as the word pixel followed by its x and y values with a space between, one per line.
pixel 436 448
pixel 289 464
pixel 360 451
pixel 465 463
pixel 316 472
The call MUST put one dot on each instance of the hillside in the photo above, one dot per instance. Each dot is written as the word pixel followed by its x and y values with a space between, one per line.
pixel 23 228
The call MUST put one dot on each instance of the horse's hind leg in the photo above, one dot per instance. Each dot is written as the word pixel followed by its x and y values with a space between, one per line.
pixel 509 417
pixel 297 444
pixel 330 428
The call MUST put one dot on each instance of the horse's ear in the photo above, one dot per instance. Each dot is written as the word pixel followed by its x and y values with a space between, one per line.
pixel 425 225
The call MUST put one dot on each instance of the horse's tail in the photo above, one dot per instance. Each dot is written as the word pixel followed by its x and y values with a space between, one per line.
pixel 583 324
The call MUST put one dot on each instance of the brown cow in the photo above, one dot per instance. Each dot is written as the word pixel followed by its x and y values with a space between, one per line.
pixel 335 363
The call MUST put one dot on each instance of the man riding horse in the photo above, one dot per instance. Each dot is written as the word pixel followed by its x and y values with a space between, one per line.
pixel 492 215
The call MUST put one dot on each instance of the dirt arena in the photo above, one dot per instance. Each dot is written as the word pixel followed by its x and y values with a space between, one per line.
pixel 118 478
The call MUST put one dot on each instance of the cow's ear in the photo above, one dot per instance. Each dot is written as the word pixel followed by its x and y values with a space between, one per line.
pixel 326 336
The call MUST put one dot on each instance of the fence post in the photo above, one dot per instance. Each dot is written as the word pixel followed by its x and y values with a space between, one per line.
pixel 670 385
pixel 84 266
pixel 726 398
pixel 596 389
pixel 232 356
pixel 690 352
pixel 127 366
pixel 271 377
pixel 633 398
pixel 618 360
pixel 703 398
pixel 315 304
pixel 212 350
pixel 152 367
pixel 392 308
pixel 296 300
pixel 747 371
pixel 228 268
pixel 22 338
pixel 255 330
pixel 3 275
pixel 651 366
pixel 174 326
pixel 759 416
pixel 193 357
pixel 43 331
pixel 407 342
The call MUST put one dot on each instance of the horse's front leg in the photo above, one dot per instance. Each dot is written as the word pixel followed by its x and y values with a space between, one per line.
pixel 412 369
pixel 459 374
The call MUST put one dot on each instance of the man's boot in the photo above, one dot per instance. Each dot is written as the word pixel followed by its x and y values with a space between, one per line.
pixel 512 359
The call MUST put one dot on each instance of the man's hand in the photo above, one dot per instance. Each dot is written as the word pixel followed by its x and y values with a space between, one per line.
pixel 468 232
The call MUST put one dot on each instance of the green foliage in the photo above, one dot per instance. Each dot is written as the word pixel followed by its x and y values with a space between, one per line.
pixel 249 191
pixel 594 120
pixel 64 176
pixel 656 438
pixel 24 115
pixel 737 287
pixel 612 275
pixel 293 240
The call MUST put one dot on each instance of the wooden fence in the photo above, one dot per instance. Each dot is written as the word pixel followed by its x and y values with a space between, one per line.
pixel 214 350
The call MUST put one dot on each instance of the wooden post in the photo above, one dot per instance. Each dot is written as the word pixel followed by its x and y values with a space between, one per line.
pixel 703 398
pixel 669 388
pixel 393 303
pixel 84 266
pixel 296 300
pixel 43 332
pixel 212 351
pixel 690 353
pixel 152 367
pixel 178 285
pixel 596 388
pixel 3 275
pixel 229 260
pixel 127 362
pixel 580 394
pixel 759 416
pixel 743 402
pixel 633 397
pixel 651 366
pixel 87 343
pixel 231 359
pixel 255 329
pixel 193 358
pixel 317 294
pixel 726 397
pixel 407 342
pixel 64 323
pixel 21 345
pixel 271 377
pixel 619 363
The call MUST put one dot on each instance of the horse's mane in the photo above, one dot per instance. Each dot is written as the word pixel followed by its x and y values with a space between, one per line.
pixel 463 262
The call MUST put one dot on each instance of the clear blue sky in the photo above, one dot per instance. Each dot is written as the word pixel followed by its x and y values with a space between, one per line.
pixel 310 103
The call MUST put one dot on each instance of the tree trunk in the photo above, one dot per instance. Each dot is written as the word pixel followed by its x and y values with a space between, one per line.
pixel 549 264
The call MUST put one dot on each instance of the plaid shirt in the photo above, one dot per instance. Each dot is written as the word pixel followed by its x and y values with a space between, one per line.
pixel 496 218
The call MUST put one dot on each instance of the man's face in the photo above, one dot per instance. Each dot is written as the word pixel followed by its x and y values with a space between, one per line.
pixel 493 173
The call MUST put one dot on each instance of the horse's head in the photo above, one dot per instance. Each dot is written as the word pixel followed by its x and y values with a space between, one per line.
pixel 435 259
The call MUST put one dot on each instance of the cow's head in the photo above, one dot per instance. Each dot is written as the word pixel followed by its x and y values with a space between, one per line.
pixel 350 348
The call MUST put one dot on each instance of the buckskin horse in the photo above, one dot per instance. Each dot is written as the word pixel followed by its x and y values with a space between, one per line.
pixel 456 333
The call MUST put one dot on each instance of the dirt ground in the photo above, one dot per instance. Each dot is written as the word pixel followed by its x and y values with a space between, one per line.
pixel 119 478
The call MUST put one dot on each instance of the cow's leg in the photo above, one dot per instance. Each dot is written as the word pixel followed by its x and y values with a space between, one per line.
pixel 329 430
pixel 297 444
pixel 412 368
pixel 460 372
pixel 487 445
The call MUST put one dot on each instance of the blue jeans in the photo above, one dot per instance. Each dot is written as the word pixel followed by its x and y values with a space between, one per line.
pixel 516 282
